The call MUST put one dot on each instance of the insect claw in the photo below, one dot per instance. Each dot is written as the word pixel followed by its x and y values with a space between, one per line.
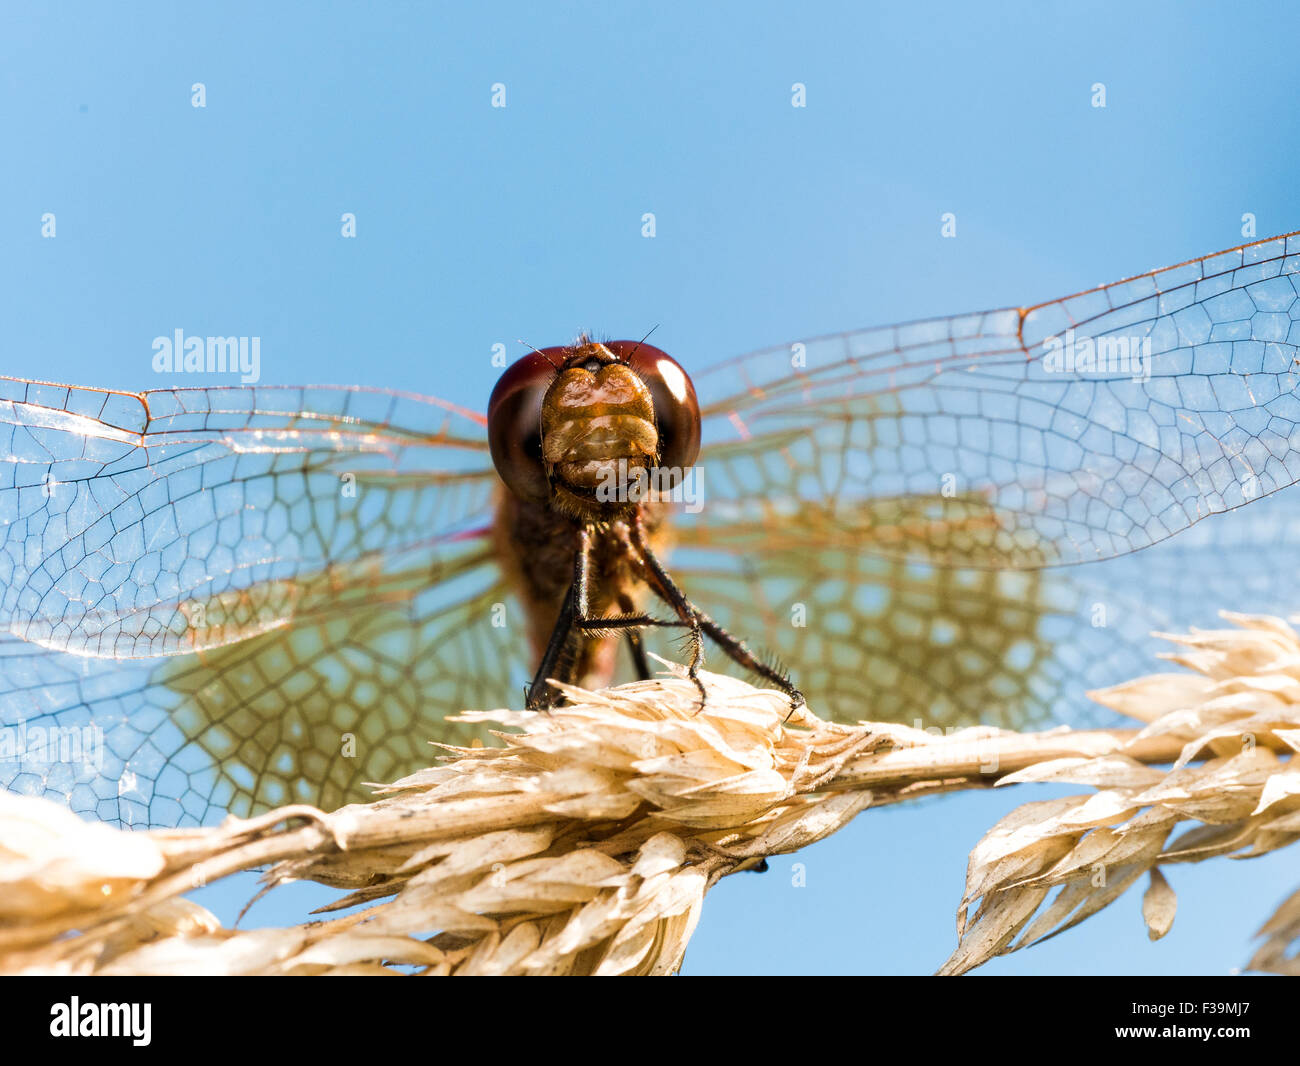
pixel 542 703
pixel 704 695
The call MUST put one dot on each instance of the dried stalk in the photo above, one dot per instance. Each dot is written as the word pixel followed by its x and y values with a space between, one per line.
pixel 586 843
pixel 1239 711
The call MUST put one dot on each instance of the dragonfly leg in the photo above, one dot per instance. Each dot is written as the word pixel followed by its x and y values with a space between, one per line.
pixel 742 656
pixel 629 622
pixel 639 660
pixel 634 643
pixel 575 618
pixel 735 649
pixel 540 695
pixel 668 591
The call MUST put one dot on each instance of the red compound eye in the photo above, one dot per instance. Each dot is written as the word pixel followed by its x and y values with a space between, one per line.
pixel 677 411
pixel 515 423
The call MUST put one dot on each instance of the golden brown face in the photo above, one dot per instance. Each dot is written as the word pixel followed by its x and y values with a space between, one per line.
pixel 581 427
pixel 596 412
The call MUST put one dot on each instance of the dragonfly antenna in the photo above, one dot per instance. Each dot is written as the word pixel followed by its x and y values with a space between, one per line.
pixel 553 363
pixel 642 341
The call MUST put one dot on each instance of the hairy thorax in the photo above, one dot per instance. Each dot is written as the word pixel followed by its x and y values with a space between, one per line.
pixel 536 544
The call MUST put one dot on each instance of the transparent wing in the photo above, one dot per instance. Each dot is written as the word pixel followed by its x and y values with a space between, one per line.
pixel 352 692
pixel 897 513
pixel 222 599
pixel 887 638
pixel 1169 397
pixel 173 521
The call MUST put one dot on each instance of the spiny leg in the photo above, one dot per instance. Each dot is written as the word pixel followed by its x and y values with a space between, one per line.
pixel 574 619
pixel 741 655
pixel 634 642
pixel 540 695
pixel 735 649
pixel 629 622
pixel 639 661
pixel 668 591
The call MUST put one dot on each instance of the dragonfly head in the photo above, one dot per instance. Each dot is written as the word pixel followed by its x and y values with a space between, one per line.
pixel 590 428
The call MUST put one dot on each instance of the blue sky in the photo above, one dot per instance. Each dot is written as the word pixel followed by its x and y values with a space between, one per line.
pixel 477 226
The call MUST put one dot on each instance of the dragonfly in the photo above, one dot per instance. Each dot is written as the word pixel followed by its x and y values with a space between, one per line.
pixel 217 600
pixel 592 440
